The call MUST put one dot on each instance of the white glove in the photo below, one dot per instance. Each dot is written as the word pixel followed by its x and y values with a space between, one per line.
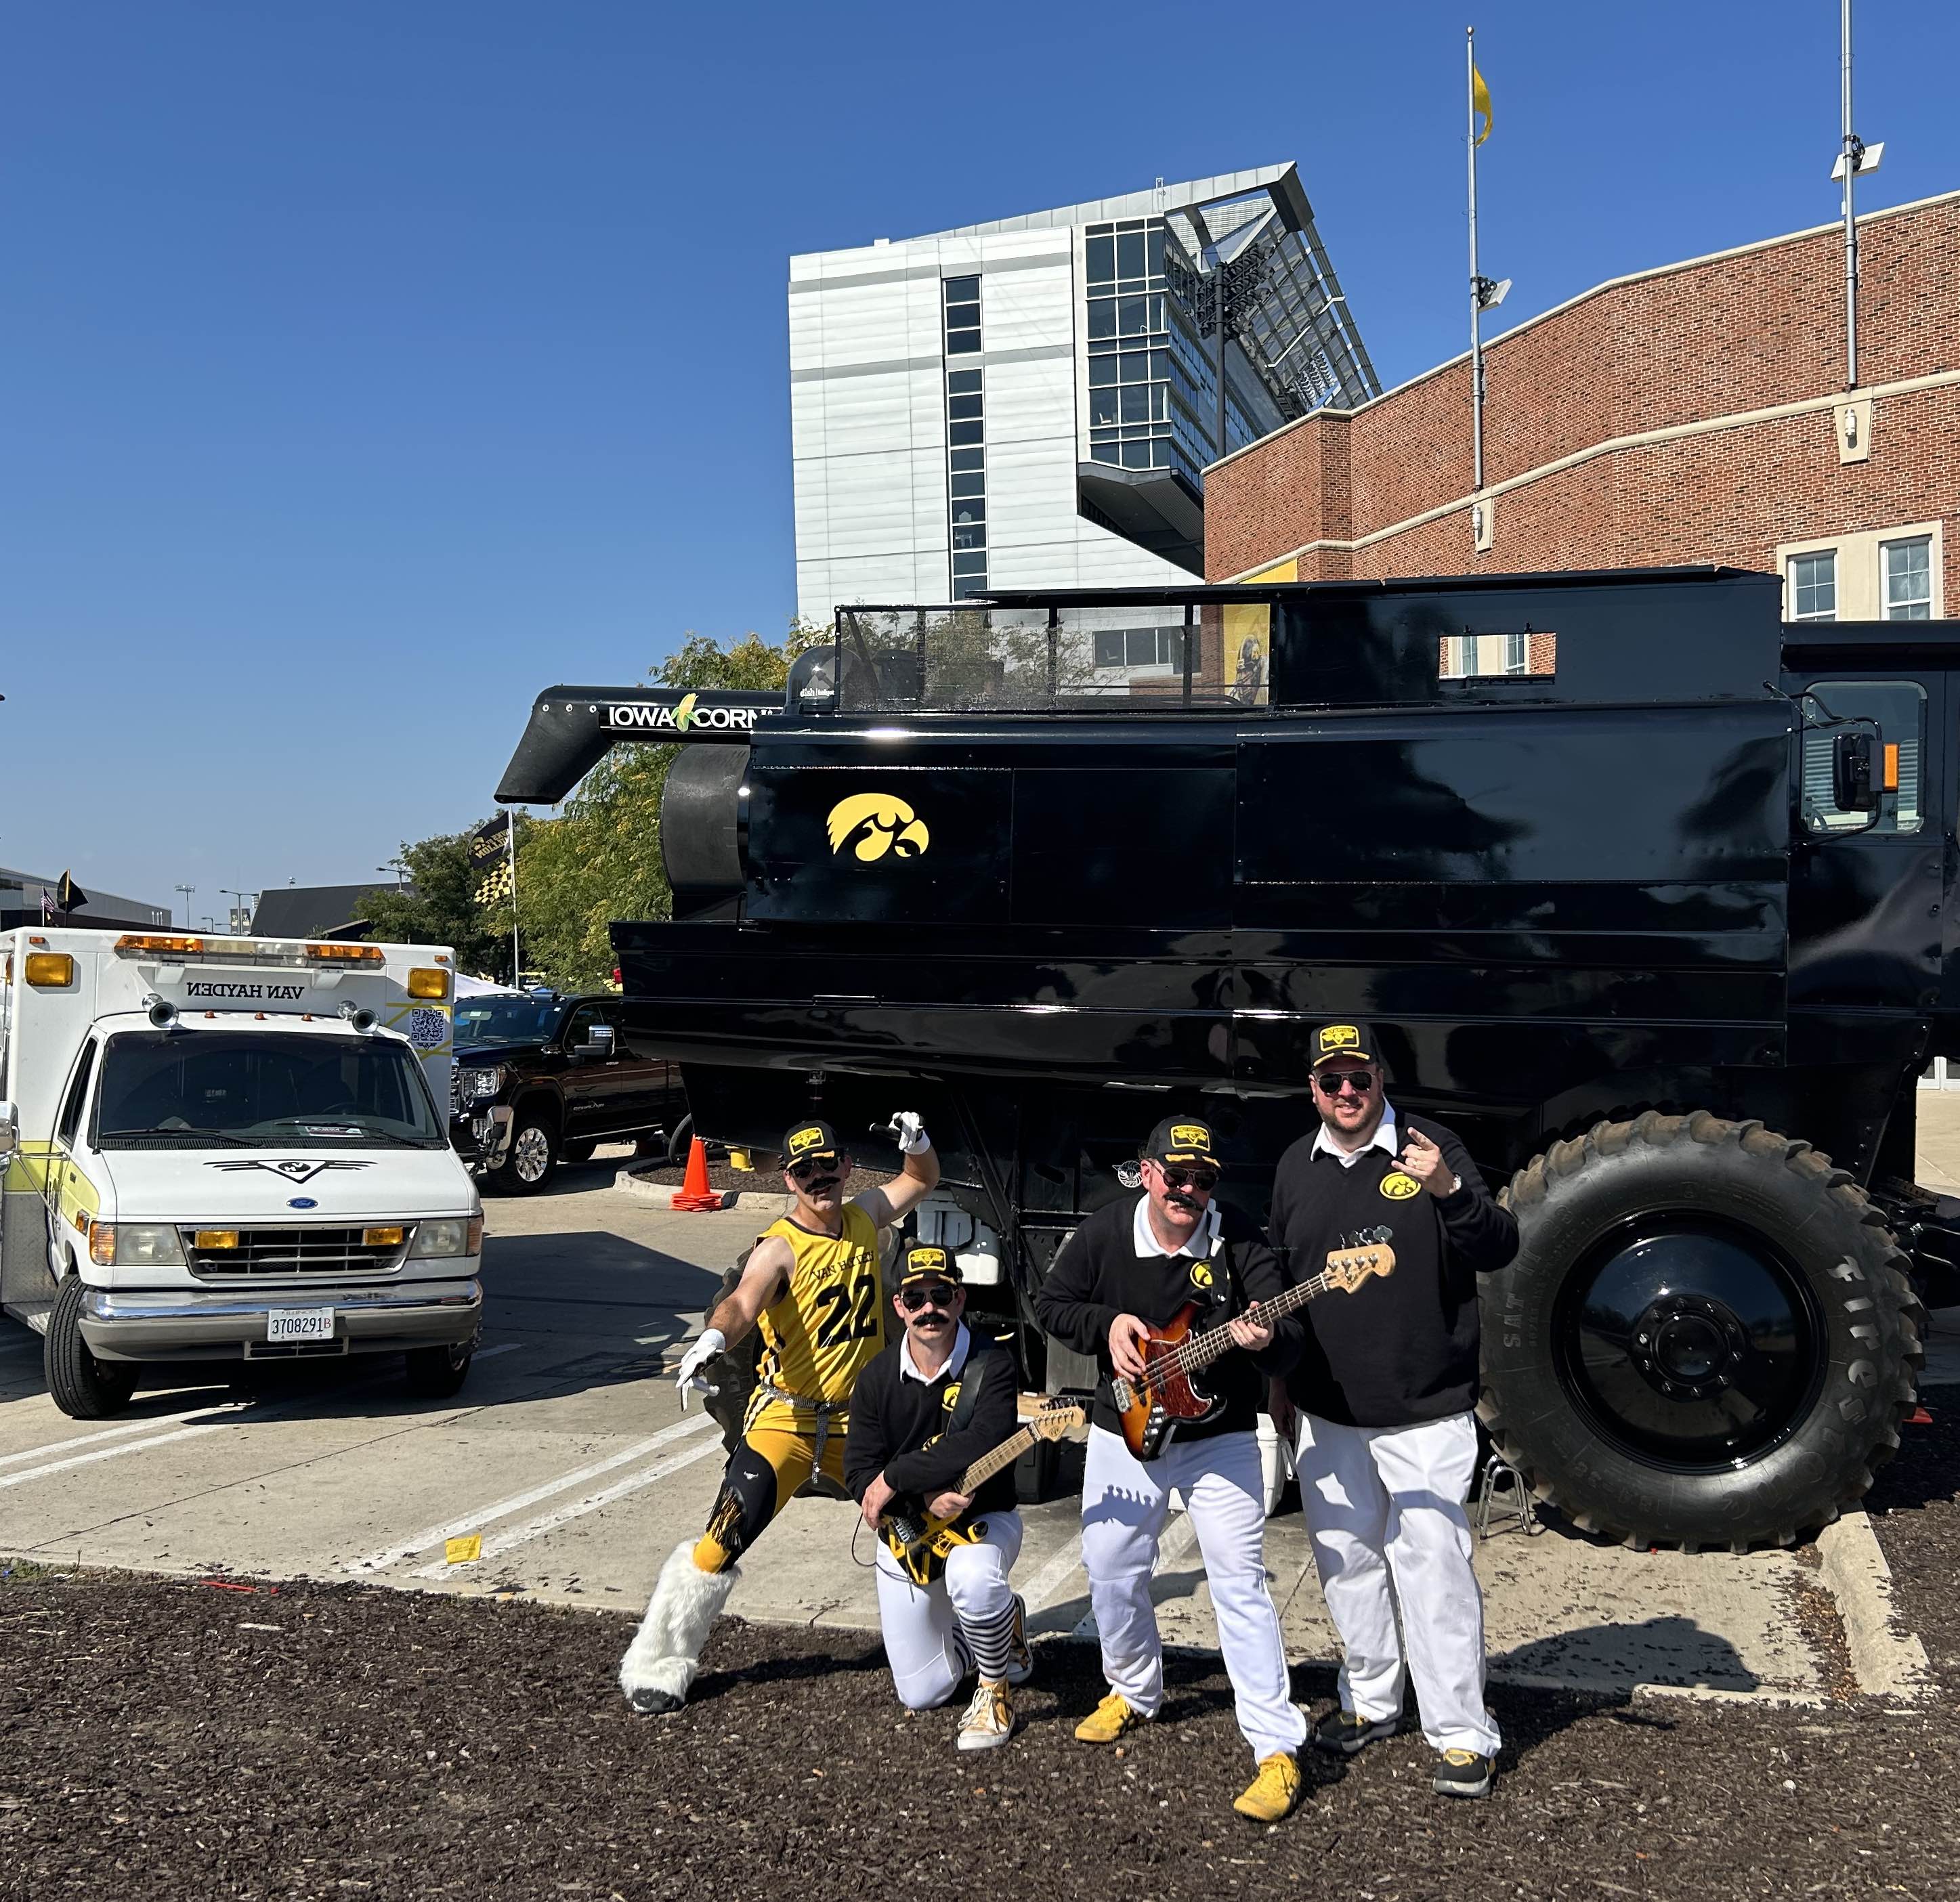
pixel 909 1131
pixel 710 1343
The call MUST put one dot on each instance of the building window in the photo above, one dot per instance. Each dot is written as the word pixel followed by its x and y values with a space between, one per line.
pixel 1139 647
pixel 1517 657
pixel 1907 570
pixel 1813 585
pixel 963 316
pixel 966 480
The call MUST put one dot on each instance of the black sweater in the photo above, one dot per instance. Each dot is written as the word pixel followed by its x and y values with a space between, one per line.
pixel 1402 1347
pixel 1099 1275
pixel 898 1426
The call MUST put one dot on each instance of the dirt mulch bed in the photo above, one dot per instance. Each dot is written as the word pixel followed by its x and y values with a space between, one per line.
pixel 1915 1509
pixel 162 1742
pixel 758 1181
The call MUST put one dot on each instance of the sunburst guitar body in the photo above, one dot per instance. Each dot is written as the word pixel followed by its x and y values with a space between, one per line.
pixel 1169 1395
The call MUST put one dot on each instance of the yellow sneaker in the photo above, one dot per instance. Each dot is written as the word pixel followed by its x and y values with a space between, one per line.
pixel 1114 1717
pixel 1273 1794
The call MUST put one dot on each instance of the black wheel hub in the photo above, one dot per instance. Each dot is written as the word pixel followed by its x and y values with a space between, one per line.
pixel 1692 1343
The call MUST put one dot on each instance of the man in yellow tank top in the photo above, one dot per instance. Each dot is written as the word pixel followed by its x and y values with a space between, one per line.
pixel 811 1287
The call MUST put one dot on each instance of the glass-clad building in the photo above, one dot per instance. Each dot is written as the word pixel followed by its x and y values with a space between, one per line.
pixel 1033 402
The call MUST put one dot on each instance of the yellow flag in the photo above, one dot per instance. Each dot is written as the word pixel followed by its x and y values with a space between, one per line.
pixel 1480 102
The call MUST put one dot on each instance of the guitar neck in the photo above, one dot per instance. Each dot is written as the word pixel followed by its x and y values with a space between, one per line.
pixel 1203 1348
pixel 1002 1456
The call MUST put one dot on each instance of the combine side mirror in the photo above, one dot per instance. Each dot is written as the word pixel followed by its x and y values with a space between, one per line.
pixel 1853 784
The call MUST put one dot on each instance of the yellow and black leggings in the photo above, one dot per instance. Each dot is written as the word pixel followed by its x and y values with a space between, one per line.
pixel 770 1466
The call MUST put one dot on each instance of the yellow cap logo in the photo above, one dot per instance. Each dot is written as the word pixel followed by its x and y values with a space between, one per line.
pixel 1190 1135
pixel 800 1139
pixel 925 1261
pixel 873 824
pixel 1201 1275
pixel 1399 1187
pixel 1339 1036
pixel 950 1398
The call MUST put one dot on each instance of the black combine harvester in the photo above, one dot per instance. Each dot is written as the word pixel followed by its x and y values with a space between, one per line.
pixel 1645 893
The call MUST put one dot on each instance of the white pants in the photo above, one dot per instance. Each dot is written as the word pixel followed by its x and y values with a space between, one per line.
pixel 920 1621
pixel 1123 1505
pixel 1385 1503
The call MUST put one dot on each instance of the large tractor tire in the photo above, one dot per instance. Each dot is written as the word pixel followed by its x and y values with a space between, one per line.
pixel 1708 1338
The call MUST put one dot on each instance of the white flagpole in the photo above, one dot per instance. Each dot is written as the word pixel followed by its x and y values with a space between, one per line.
pixel 1476 302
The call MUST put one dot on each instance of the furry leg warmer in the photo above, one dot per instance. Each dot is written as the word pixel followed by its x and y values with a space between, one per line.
pixel 659 1668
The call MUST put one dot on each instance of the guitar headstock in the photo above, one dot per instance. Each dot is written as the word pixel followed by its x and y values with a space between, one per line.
pixel 1053 1419
pixel 1370 1254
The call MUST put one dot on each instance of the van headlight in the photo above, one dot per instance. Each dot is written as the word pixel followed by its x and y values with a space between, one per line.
pixel 481 1082
pixel 453 1235
pixel 134 1245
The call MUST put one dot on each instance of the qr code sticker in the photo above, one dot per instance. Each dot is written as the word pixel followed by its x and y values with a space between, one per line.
pixel 427 1029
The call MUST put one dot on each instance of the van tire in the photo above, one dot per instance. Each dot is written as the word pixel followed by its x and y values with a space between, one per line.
pixel 81 1386
pixel 437 1373
pixel 1708 1338
pixel 533 1158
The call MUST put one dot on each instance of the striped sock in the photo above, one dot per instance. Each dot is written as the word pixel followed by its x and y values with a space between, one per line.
pixel 991 1641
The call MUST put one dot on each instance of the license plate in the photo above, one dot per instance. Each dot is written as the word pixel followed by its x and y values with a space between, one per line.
pixel 300 1324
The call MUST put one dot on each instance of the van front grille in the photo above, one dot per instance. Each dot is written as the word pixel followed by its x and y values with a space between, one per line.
pixel 293 1252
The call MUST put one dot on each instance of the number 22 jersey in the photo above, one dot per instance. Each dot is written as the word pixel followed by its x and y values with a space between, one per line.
pixel 826 1327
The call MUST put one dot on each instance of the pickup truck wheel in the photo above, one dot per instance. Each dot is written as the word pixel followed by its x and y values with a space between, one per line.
pixel 81 1386
pixel 437 1373
pixel 1708 1338
pixel 573 1154
pixel 531 1159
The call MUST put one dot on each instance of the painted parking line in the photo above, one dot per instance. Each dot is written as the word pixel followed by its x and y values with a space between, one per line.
pixel 502 1348
pixel 57 1447
pixel 565 1515
pixel 432 1536
pixel 1045 1585
pixel 109 1452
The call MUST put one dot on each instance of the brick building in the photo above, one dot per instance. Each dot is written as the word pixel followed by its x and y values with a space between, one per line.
pixel 1694 413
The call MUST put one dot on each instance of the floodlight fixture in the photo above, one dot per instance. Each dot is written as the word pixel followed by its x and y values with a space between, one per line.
pixel 1490 293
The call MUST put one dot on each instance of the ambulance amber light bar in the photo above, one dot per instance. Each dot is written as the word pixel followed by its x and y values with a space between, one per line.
pixel 345 953
pixel 135 942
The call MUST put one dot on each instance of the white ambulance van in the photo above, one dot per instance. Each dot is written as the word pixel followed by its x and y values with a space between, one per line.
pixel 219 1149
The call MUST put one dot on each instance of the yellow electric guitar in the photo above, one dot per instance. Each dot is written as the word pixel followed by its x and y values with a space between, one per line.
pixel 920 1542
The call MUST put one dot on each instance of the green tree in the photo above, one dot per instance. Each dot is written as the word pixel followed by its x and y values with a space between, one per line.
pixel 602 860
pixel 442 905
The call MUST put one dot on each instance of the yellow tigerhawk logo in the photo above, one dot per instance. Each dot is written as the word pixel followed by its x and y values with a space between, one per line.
pixel 802 1139
pixel 1190 1135
pixel 950 1398
pixel 1338 1036
pixel 1201 1275
pixel 1399 1187
pixel 873 824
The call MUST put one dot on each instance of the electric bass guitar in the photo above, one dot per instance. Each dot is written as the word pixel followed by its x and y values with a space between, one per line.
pixel 1165 1397
pixel 920 1542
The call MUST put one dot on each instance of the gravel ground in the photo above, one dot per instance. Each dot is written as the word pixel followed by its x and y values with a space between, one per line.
pixel 171 1740
pixel 758 1181
pixel 1915 1509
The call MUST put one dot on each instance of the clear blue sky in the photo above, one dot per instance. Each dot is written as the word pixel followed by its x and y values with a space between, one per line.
pixel 365 367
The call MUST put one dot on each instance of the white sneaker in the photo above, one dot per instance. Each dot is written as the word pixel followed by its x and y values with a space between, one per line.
pixel 989 1721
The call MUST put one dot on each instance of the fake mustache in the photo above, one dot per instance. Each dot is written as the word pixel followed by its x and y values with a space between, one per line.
pixel 1178 1199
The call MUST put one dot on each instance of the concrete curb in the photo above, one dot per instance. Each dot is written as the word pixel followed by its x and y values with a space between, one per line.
pixel 1888 1661
pixel 661 1194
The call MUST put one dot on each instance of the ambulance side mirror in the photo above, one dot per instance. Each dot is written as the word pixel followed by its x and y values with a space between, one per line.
pixel 10 1130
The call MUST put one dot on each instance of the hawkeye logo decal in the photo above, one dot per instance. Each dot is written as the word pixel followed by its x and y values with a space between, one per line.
pixel 688 715
pixel 950 1398
pixel 293 1172
pixel 1399 1187
pixel 873 824
pixel 1200 1275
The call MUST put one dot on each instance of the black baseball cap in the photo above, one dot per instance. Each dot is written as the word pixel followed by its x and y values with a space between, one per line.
pixel 812 1141
pixel 1354 1040
pixel 925 1261
pixel 1183 1139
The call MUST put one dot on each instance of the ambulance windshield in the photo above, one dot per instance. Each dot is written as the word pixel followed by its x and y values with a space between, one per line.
pixel 233 1090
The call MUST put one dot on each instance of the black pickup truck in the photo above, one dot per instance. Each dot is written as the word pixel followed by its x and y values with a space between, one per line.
pixel 539 1080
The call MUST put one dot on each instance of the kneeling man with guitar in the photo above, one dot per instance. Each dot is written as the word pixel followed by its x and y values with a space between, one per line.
pixel 930 1459
pixel 1186 1308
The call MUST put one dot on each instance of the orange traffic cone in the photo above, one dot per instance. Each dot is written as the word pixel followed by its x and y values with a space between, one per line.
pixel 694 1195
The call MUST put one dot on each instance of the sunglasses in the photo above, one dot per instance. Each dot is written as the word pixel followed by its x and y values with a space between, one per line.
pixel 1334 1082
pixel 813 1171
pixel 927 1294
pixel 1203 1180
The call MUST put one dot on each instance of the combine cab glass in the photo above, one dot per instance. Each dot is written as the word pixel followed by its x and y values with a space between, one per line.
pixel 1646 893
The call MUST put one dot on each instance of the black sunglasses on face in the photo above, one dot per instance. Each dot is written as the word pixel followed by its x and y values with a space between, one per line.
pixel 927 1294
pixel 1331 1082
pixel 1203 1180
pixel 813 1171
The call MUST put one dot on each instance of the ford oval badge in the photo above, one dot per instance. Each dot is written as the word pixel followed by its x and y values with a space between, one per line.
pixel 302 1202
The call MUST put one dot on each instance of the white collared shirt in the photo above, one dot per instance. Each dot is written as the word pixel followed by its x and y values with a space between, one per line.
pixel 908 1368
pixel 1202 1243
pixel 1383 1139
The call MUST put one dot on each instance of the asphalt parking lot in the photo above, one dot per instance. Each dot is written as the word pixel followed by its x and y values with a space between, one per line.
pixel 569 1462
